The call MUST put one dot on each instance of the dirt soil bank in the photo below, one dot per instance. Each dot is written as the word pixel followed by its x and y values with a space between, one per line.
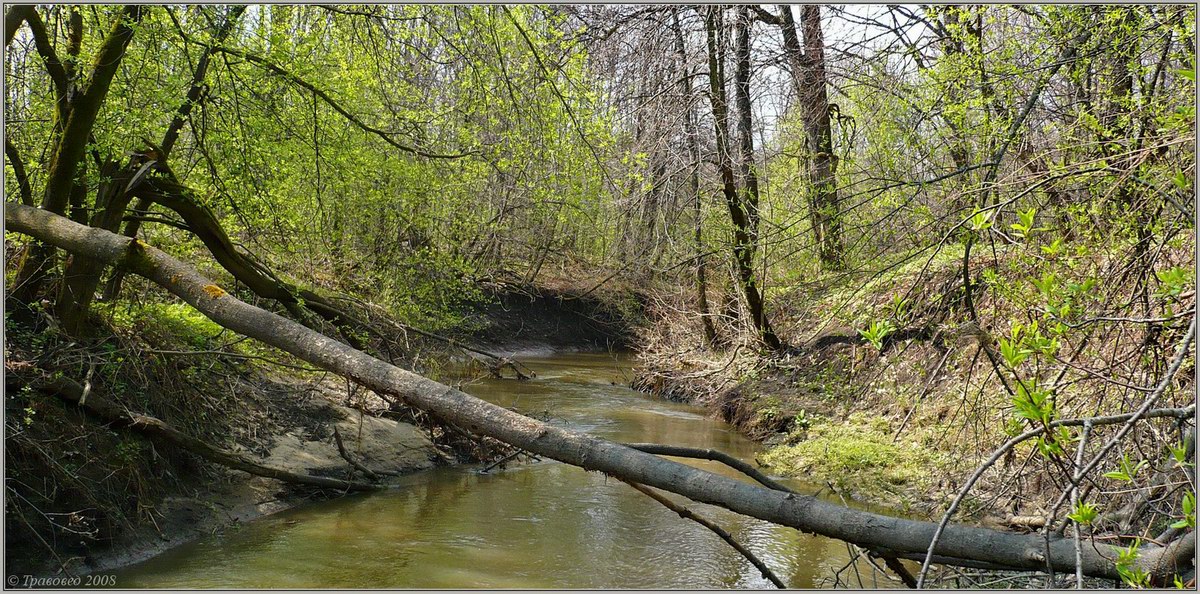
pixel 540 321
pixel 279 417
pixel 833 409
pixel 295 433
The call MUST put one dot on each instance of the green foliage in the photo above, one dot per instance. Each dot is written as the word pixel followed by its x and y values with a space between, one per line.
pixel 877 331
pixel 1127 470
pixel 1084 513
pixel 899 308
pixel 1175 280
pixel 1025 228
pixel 1013 426
pixel 1014 352
pixel 857 451
pixel 1179 453
pixel 981 220
pixel 179 321
pixel 1126 564
pixel 129 451
pixel 1188 507
pixel 1034 403
pixel 1054 249
pixel 803 421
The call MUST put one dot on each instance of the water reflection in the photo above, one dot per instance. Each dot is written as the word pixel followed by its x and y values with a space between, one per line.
pixel 541 525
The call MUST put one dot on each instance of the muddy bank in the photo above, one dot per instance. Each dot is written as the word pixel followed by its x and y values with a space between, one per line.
pixel 295 432
pixel 280 417
pixel 139 498
pixel 541 321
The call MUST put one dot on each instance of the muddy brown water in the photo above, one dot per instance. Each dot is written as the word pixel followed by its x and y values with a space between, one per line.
pixel 535 525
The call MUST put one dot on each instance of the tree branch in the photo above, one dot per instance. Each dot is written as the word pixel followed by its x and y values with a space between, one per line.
pixel 14 159
pixel 74 40
pixel 765 16
pixel 154 428
pixel 12 21
pixel 54 66
pixel 715 456
pixel 715 529
pixel 1144 412
pixel 296 80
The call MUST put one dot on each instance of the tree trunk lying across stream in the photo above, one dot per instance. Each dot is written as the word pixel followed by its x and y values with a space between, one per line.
pixel 959 544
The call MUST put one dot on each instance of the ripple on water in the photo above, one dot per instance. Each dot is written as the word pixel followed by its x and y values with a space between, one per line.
pixel 544 525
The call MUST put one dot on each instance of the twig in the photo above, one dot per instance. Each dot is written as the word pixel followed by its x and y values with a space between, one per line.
pixel 1144 410
pixel 500 360
pixel 233 356
pixel 715 456
pixel 71 392
pixel 337 437
pixel 1128 419
pixel 925 390
pixel 895 565
pixel 502 461
pixel 688 514
pixel 386 136
pixel 62 565
pixel 1087 428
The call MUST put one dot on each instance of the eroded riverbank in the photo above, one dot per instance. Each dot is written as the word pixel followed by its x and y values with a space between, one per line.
pixel 542 524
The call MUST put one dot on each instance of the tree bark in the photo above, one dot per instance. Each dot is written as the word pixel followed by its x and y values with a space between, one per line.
pixel 749 168
pixel 81 274
pixel 743 235
pixel 693 145
pixel 194 95
pixel 869 530
pixel 14 159
pixel 13 19
pixel 808 78
pixel 70 146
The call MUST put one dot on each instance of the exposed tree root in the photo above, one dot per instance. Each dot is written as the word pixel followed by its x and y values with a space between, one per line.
pixel 367 472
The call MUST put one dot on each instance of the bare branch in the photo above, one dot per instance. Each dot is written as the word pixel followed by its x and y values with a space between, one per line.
pixel 54 66
pixel 14 159
pixel 715 529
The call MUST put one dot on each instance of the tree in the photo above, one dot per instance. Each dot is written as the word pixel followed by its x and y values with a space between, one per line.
pixel 809 82
pixel 693 144
pixel 78 104
pixel 741 212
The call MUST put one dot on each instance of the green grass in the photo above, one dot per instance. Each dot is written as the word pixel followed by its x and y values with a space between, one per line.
pixel 856 454
pixel 178 320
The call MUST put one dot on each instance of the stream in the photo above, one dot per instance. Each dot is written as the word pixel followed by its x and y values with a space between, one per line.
pixel 531 525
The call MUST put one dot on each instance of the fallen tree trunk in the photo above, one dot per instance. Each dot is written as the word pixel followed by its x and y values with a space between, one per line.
pixel 901 537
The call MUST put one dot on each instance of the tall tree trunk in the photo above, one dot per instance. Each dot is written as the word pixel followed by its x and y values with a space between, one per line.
pixel 693 145
pixel 749 171
pixel 62 174
pixel 808 76
pixel 743 242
